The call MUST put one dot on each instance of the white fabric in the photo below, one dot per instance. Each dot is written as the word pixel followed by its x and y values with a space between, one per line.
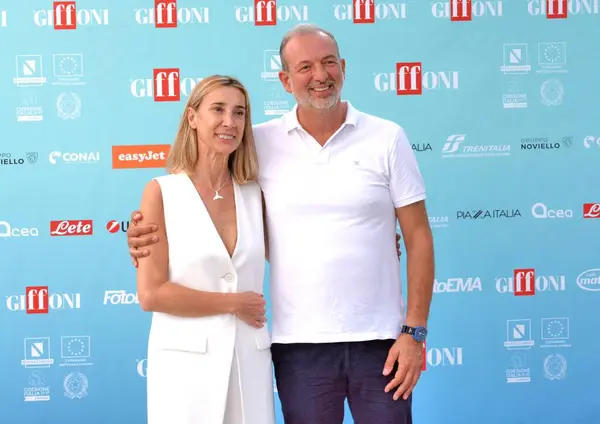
pixel 330 212
pixel 233 406
pixel 190 359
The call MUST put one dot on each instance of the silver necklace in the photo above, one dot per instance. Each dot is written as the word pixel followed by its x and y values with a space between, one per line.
pixel 217 195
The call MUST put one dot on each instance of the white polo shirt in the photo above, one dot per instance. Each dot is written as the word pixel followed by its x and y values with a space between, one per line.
pixel 335 273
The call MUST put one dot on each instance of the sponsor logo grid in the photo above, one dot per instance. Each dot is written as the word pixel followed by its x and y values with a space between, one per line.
pixel 489 120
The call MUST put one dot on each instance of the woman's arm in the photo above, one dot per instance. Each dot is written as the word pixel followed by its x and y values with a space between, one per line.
pixel 155 293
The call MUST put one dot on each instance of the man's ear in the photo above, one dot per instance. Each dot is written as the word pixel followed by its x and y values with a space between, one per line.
pixel 284 77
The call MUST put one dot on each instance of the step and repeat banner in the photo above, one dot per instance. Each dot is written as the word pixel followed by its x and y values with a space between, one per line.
pixel 500 99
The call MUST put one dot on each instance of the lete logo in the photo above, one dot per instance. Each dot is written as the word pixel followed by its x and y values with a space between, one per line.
pixel 591 210
pixel 589 280
pixel 72 228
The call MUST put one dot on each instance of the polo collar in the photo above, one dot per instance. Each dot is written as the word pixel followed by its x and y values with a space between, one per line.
pixel 290 119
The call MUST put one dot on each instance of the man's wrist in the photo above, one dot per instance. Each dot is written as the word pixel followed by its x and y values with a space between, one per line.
pixel 417 332
pixel 412 322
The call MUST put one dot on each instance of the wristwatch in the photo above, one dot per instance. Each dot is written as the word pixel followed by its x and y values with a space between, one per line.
pixel 418 333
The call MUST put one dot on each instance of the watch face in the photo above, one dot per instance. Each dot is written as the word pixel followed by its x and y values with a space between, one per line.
pixel 420 333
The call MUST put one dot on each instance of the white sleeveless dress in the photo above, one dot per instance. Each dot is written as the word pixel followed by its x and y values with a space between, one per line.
pixel 217 369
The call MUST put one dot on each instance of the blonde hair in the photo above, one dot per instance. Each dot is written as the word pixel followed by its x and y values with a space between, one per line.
pixel 243 162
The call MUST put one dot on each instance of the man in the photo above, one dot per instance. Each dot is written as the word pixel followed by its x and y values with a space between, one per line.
pixel 335 180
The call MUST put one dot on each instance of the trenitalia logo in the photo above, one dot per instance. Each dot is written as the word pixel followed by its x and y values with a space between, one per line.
pixel 140 156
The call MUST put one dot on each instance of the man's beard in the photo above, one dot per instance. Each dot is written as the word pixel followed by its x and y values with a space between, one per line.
pixel 323 104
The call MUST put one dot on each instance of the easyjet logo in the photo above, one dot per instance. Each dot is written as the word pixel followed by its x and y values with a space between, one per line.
pixel 140 156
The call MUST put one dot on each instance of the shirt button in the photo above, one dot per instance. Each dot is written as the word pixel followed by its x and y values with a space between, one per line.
pixel 229 277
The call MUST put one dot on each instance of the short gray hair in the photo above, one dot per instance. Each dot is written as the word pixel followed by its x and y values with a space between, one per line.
pixel 304 29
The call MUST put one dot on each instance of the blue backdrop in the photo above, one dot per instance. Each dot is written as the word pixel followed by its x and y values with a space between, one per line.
pixel 500 101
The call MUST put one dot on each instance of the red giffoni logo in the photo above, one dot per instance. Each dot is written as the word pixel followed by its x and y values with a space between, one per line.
pixel 524 282
pixel 36 298
pixel 165 13
pixel 556 9
pixel 363 11
pixel 166 85
pixel 265 12
pixel 408 78
pixel 65 15
pixel 461 10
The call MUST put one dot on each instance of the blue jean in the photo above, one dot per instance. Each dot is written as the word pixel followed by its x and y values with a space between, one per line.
pixel 314 379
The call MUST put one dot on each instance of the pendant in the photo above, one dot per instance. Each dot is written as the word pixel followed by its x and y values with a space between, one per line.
pixel 217 196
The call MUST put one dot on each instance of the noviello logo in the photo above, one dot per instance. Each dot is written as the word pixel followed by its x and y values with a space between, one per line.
pixel 589 280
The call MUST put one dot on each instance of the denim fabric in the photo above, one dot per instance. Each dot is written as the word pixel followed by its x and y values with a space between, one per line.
pixel 313 381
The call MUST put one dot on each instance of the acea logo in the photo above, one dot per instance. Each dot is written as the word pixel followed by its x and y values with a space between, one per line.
pixel 541 211
pixel 589 280
pixel 8 230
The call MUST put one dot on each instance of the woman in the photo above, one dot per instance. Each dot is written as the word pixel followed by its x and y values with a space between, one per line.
pixel 209 360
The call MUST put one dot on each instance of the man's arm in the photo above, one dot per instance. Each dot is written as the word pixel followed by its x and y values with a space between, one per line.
pixel 418 239
pixel 407 189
